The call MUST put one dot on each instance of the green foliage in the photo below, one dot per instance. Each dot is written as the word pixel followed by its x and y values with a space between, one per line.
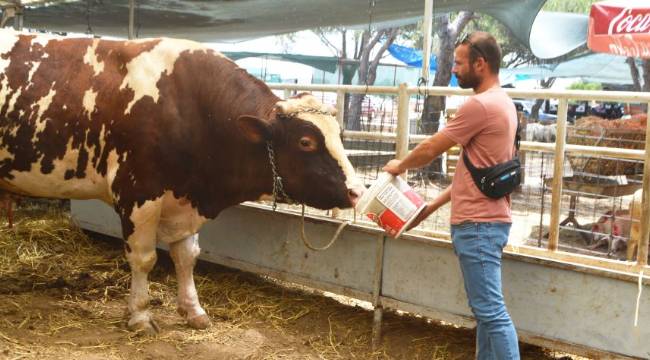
pixel 574 6
pixel 582 85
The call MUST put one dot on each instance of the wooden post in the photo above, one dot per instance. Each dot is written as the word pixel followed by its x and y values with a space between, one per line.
pixel 523 123
pixel 340 107
pixel 558 174
pixel 402 143
pixel 642 254
pixel 426 42
pixel 376 293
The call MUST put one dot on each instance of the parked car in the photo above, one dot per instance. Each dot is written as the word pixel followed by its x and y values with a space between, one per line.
pixel 608 110
pixel 526 106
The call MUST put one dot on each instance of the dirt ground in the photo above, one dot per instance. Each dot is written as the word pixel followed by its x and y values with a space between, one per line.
pixel 62 296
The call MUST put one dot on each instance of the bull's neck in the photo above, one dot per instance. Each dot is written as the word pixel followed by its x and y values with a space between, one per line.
pixel 243 172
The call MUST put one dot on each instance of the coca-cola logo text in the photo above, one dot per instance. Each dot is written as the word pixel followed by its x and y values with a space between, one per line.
pixel 630 21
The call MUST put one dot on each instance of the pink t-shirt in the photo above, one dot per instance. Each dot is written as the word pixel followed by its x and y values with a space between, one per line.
pixel 485 125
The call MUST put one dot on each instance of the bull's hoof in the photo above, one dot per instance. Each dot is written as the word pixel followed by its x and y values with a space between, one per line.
pixel 147 327
pixel 199 322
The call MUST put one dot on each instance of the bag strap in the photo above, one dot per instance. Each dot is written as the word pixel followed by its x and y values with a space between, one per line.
pixel 475 171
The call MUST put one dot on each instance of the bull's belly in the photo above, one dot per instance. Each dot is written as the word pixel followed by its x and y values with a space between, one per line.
pixel 40 185
pixel 54 184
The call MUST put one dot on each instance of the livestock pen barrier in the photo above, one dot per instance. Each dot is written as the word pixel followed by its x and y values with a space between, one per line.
pixel 561 295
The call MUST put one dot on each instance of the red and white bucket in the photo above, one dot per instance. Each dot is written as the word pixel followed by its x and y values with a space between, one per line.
pixel 391 203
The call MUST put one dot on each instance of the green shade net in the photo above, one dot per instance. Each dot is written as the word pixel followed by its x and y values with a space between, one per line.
pixel 234 20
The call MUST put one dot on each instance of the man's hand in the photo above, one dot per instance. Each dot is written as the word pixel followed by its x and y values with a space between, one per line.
pixel 393 167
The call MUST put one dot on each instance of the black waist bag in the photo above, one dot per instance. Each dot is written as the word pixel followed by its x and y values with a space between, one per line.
pixel 499 180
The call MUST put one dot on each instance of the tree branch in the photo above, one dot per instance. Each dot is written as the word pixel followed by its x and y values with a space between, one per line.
pixel 459 23
pixel 323 39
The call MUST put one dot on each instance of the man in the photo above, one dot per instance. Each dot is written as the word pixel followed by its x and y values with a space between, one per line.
pixel 485 126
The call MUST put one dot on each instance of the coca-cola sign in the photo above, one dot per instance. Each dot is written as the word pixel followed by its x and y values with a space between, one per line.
pixel 630 21
pixel 621 28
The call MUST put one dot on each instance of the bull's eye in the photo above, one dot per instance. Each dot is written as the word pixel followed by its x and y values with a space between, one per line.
pixel 307 144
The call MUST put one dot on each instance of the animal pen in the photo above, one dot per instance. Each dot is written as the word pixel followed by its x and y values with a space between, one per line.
pixel 563 292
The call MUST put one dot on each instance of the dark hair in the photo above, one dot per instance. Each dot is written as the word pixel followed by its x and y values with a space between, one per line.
pixel 482 44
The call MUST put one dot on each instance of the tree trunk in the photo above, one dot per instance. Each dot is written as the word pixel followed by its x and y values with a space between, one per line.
pixel 368 70
pixel 545 84
pixel 634 72
pixel 645 65
pixel 447 32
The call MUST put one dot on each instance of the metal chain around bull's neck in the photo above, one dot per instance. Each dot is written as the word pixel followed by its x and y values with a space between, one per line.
pixel 278 188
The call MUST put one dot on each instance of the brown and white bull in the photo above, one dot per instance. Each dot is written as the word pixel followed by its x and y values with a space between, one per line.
pixel 168 132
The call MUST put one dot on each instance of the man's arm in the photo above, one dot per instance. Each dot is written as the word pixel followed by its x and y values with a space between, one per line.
pixel 435 204
pixel 422 155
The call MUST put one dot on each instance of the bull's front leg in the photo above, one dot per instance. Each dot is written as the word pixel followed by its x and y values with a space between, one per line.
pixel 141 254
pixel 184 254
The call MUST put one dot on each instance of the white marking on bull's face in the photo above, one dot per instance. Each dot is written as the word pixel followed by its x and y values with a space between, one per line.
pixel 89 100
pixel 330 128
pixel 144 71
pixel 92 59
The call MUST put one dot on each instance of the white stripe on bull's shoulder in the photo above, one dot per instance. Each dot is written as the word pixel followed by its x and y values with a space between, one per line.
pixel 8 38
pixel 43 104
pixel 12 100
pixel 92 59
pixel 144 71
pixel 328 125
pixel 32 70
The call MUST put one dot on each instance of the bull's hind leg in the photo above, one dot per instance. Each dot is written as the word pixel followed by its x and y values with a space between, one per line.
pixel 141 254
pixel 184 253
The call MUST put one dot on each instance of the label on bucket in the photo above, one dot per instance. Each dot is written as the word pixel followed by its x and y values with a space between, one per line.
pixel 394 199
pixel 400 206
pixel 391 203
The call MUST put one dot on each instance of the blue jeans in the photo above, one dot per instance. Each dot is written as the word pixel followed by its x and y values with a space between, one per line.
pixel 479 247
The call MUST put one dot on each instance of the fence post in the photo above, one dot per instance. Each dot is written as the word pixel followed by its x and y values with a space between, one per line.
pixel 402 143
pixel 376 293
pixel 558 174
pixel 340 107
pixel 642 252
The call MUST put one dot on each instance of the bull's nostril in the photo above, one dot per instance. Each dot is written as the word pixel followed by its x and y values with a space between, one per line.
pixel 353 194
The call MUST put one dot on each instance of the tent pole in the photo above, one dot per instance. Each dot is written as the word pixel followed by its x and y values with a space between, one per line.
pixel 131 17
pixel 426 44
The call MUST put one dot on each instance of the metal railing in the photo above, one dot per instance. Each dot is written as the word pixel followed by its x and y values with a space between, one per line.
pixel 560 148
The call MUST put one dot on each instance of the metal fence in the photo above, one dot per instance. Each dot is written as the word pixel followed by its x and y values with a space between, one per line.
pixel 565 210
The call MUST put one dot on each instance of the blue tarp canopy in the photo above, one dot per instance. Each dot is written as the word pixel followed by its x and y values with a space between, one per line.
pixel 413 57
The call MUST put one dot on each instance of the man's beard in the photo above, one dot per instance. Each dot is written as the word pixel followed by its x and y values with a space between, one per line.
pixel 469 80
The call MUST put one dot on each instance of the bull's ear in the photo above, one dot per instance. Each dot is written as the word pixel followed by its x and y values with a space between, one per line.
pixel 255 129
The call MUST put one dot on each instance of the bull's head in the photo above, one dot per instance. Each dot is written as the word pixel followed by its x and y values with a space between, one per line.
pixel 309 154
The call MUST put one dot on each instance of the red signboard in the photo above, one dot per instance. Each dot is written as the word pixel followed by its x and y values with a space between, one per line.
pixel 620 27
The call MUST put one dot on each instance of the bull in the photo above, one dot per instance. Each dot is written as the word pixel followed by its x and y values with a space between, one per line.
pixel 166 131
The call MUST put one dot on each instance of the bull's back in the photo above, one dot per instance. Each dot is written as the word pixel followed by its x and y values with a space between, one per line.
pixel 72 110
